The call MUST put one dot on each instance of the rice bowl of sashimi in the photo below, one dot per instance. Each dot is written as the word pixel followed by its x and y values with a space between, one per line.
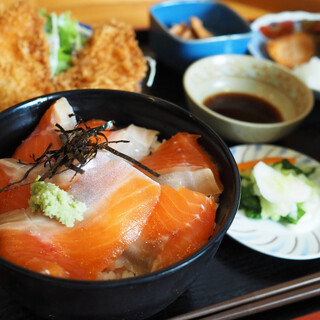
pixel 111 203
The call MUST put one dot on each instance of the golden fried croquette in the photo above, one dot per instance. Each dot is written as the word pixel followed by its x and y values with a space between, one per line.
pixel 292 50
pixel 24 55
pixel 110 59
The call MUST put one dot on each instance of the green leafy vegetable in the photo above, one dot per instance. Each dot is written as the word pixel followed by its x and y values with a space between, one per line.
pixel 272 191
pixel 286 167
pixel 65 39
pixel 292 220
pixel 249 201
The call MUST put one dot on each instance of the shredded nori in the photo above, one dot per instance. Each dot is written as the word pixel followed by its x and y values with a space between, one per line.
pixel 79 146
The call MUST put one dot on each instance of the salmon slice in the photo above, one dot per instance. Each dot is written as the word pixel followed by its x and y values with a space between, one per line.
pixel 93 123
pixel 117 210
pixel 45 132
pixel 182 153
pixel 185 220
pixel 17 196
pixel 181 223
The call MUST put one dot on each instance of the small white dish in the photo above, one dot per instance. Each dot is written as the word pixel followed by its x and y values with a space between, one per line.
pixel 243 74
pixel 257 44
pixel 297 242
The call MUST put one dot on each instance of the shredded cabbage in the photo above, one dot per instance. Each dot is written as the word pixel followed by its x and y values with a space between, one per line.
pixel 65 37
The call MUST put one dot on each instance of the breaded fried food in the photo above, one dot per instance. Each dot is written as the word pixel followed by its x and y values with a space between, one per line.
pixel 200 31
pixel 195 31
pixel 183 31
pixel 24 55
pixel 110 59
pixel 292 50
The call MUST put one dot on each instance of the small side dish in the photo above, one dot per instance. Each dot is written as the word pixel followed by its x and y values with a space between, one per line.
pixel 279 212
pixel 179 52
pixel 258 100
pixel 290 38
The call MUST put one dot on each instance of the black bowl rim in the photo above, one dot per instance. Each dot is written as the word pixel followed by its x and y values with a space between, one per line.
pixel 157 274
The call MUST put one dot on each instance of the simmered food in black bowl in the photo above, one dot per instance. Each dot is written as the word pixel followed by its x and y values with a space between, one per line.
pixel 109 219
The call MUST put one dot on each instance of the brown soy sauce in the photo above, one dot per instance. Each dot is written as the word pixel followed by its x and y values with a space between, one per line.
pixel 243 107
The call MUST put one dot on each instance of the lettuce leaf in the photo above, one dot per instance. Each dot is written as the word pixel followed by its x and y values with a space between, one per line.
pixel 65 39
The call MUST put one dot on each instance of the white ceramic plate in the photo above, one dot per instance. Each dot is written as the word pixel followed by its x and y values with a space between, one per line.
pixel 257 44
pixel 270 237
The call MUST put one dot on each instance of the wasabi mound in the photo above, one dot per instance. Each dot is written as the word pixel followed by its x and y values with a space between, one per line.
pixel 55 203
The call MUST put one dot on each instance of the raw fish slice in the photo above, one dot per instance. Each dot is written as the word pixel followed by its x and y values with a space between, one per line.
pixel 140 141
pixel 26 249
pixel 201 180
pixel 18 195
pixel 181 223
pixel 45 132
pixel 118 205
pixel 16 198
pixel 189 226
pixel 93 123
pixel 179 153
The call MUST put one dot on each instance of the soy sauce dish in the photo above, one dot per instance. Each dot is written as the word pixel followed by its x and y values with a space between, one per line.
pixel 246 99
pixel 131 298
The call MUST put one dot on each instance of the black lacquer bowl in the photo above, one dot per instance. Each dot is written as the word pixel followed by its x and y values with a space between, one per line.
pixel 134 298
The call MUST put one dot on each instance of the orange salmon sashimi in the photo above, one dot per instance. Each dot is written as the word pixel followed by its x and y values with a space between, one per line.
pixel 17 196
pixel 181 223
pixel 183 153
pixel 93 123
pixel 45 132
pixel 118 207
pixel 185 220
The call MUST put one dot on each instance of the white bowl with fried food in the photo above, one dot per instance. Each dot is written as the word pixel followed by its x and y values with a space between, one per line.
pixel 290 42
pixel 240 75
